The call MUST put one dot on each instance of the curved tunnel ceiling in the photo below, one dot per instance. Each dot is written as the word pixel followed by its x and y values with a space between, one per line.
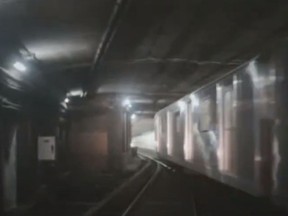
pixel 158 46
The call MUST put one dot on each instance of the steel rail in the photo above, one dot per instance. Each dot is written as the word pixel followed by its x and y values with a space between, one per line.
pixel 142 191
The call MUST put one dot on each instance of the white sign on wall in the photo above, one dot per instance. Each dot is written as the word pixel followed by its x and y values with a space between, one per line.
pixel 46 148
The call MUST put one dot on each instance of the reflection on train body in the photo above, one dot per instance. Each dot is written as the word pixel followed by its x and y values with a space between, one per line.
pixel 234 129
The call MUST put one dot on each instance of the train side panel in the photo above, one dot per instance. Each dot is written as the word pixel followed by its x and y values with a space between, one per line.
pixel 225 130
pixel 280 129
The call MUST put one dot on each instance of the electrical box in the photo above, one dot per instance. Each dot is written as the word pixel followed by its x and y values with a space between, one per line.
pixel 46 148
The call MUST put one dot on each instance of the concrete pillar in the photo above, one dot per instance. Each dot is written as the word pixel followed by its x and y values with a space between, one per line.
pixel 119 136
pixel 127 131
pixel 115 138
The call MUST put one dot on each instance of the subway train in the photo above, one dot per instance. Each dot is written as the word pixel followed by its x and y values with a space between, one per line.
pixel 234 129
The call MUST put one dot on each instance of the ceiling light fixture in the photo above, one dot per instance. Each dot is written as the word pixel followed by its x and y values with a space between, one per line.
pixel 19 66
pixel 133 116
pixel 127 103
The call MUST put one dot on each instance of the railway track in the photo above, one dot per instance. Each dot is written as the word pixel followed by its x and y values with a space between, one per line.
pixel 173 192
pixel 159 189
pixel 165 192
pixel 90 201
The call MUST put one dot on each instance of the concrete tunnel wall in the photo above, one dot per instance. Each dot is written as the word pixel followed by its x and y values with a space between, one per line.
pixel 97 142
pixel 88 142
pixel 91 143
pixel 21 172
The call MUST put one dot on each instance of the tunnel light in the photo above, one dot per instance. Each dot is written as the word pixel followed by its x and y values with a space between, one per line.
pixel 236 81
pixel 127 103
pixel 218 88
pixel 19 66
pixel 76 92
pixel 133 116
pixel 67 100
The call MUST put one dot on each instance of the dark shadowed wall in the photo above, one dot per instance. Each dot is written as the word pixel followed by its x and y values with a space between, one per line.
pixel 89 142
pixel 98 142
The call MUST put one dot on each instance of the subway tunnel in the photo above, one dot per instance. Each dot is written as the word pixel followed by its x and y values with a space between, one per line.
pixel 82 80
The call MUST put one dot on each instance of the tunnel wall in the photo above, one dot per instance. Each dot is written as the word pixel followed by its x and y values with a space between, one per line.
pixel 98 142
pixel 27 164
pixel 22 174
pixel 88 142
pixel 19 164
pixel 119 136
pixel 9 165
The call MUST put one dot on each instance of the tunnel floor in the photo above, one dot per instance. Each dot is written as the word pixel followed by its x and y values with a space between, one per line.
pixel 174 191
pixel 75 192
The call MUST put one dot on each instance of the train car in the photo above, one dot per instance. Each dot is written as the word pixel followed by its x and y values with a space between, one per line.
pixel 234 129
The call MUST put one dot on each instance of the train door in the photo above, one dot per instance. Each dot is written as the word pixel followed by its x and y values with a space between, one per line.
pixel 170 133
pixel 161 128
pixel 176 134
pixel 164 133
pixel 173 117
pixel 228 133
pixel 158 133
pixel 179 135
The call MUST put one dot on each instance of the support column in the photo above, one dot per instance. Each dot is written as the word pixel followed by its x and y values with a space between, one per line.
pixel 127 131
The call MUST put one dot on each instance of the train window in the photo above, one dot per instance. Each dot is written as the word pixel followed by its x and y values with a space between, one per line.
pixel 228 106
pixel 162 125
pixel 178 122
pixel 206 115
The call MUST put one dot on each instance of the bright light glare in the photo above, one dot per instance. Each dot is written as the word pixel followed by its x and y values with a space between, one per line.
pixel 19 66
pixel 195 100
pixel 66 100
pixel 127 103
pixel 181 105
pixel 76 92
pixel 133 116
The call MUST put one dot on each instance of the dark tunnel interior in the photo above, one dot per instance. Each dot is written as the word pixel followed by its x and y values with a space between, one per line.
pixel 80 80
